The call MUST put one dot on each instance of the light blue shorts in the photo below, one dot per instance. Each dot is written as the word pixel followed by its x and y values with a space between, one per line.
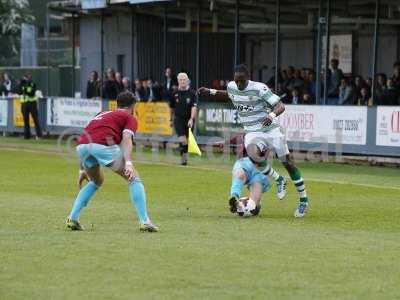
pixel 92 155
pixel 252 173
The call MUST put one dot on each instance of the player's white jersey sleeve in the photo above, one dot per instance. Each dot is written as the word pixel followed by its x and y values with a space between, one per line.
pixel 231 86
pixel 267 95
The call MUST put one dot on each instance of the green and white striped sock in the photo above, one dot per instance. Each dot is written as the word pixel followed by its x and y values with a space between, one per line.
pixel 299 183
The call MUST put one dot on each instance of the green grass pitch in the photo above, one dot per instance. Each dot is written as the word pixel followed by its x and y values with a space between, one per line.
pixel 348 246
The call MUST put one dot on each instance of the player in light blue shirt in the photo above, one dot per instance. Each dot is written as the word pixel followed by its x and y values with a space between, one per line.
pixel 251 171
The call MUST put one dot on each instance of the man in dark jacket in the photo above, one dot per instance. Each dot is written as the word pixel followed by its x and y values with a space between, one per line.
pixel 110 86
pixel 334 79
pixel 93 86
pixel 170 84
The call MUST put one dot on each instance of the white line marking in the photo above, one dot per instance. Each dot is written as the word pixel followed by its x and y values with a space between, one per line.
pixel 306 179
pixel 202 168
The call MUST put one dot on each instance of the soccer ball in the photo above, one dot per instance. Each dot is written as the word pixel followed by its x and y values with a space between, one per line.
pixel 247 207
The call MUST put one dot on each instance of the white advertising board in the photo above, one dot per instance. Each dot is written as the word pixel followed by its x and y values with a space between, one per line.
pixel 71 112
pixel 3 112
pixel 388 126
pixel 325 124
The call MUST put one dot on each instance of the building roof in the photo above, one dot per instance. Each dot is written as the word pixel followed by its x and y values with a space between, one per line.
pixel 255 15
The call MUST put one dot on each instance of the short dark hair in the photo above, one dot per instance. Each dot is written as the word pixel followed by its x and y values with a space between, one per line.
pixel 242 68
pixel 125 99
pixel 296 89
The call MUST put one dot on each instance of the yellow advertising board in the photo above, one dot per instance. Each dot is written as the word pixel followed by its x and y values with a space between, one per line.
pixel 153 117
pixel 112 105
pixel 18 117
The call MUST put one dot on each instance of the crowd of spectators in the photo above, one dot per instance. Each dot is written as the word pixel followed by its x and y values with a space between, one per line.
pixel 300 86
pixel 145 89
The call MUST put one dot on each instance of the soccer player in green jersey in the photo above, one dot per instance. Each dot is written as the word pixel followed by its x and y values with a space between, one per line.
pixel 258 108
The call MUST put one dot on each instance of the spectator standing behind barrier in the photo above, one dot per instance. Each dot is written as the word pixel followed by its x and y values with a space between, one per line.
pixel 298 81
pixel 312 85
pixel 183 106
pixel 346 93
pixel 390 96
pixel 126 84
pixel 335 76
pixel 110 86
pixel 138 90
pixel 93 86
pixel 287 84
pixel 364 96
pixel 358 85
pixel 295 96
pixel 146 90
pixel 157 90
pixel 29 105
pixel 396 77
pixel 2 87
pixel 6 85
pixel 170 84
pixel 152 90
pixel 118 81
pixel 380 88
pixel 282 88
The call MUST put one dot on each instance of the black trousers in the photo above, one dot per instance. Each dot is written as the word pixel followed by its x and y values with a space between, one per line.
pixel 26 109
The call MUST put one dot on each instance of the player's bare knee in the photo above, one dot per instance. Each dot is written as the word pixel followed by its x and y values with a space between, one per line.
pixel 290 163
pixel 287 161
pixel 288 166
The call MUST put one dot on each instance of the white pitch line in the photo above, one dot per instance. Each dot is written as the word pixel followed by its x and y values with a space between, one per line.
pixel 306 179
pixel 169 164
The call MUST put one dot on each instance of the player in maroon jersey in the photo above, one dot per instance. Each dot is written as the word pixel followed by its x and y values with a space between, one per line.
pixel 107 141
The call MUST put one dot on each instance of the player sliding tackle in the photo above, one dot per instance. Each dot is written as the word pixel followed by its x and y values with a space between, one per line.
pixel 247 171
pixel 258 108
pixel 107 141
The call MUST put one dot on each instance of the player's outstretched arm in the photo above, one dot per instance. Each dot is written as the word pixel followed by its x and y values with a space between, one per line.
pixel 218 94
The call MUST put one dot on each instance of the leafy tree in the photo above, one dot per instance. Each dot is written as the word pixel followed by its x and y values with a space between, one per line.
pixel 13 13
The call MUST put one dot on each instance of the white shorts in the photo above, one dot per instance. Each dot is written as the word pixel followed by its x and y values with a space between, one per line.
pixel 273 139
